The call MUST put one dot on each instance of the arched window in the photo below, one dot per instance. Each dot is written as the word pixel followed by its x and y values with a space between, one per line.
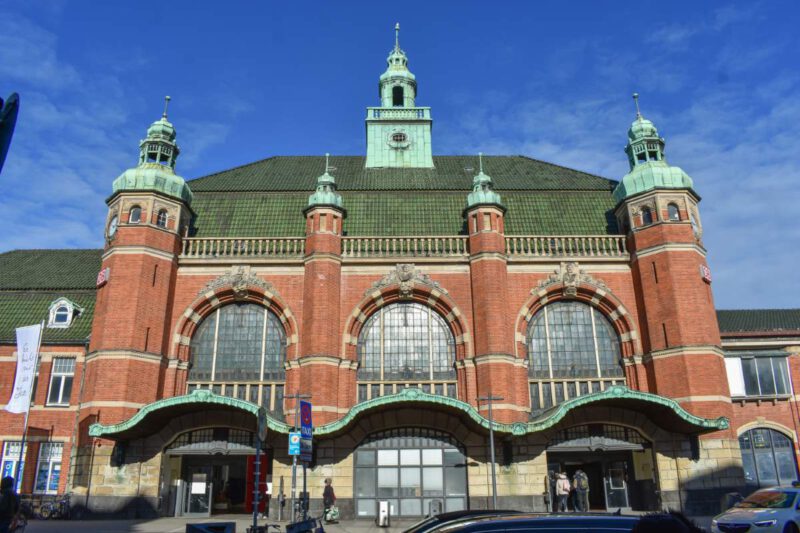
pixel 647 216
pixel 239 342
pixel 161 220
pixel 572 340
pixel 135 215
pixel 673 212
pixel 397 96
pixel 406 342
pixel 62 312
pixel 767 458
pixel 61 316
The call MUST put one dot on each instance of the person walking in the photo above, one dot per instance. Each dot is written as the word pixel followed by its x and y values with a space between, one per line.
pixel 581 484
pixel 328 501
pixel 9 505
pixel 562 491
pixel 551 487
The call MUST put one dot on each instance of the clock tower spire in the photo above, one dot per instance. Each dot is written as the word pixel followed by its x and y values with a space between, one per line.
pixel 398 132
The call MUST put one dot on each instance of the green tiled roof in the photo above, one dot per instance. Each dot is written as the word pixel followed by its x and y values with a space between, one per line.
pixel 759 320
pixel 24 308
pixel 299 173
pixel 266 198
pixel 49 269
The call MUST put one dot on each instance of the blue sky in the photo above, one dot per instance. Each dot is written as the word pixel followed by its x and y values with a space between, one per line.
pixel 548 80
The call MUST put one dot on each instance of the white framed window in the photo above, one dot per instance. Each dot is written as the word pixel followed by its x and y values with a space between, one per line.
pixel 61 377
pixel 62 312
pixel 673 212
pixel 135 215
pixel 48 468
pixel 161 219
pixel 758 375
pixel 10 460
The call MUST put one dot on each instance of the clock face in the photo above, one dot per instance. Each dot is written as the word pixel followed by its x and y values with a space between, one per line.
pixel 112 226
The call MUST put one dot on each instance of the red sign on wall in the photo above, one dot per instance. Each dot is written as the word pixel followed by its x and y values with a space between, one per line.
pixel 705 273
pixel 102 276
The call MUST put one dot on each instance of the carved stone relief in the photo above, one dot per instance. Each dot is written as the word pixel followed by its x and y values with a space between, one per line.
pixel 406 276
pixel 237 279
pixel 570 275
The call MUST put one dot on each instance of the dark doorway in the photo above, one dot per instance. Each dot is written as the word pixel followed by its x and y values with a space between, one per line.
pixel 397 96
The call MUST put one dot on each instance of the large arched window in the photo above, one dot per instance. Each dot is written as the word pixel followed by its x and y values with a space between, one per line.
pixel 572 340
pixel 767 458
pixel 239 342
pixel 406 342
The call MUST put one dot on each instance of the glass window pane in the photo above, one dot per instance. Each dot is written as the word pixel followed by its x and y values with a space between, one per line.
pixel 765 377
pixel 749 466
pixel 453 458
pixel 455 504
pixel 387 457
pixel 781 375
pixel 787 472
pixel 750 377
pixel 66 392
pixel 410 507
pixel 365 482
pixel 432 457
pixel 455 482
pixel 365 458
pixel 765 464
pixel 41 477
pixel 203 349
pixel 432 482
pixel 410 483
pixel 387 483
pixel 366 507
pixel 409 457
pixel 55 474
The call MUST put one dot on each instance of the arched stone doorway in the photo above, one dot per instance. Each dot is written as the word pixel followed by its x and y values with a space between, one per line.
pixel 618 461
pixel 414 469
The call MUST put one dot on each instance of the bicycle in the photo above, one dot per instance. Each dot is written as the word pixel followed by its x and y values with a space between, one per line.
pixel 60 508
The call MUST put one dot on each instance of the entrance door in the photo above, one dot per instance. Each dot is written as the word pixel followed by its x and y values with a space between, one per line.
pixel 616 485
pixel 198 492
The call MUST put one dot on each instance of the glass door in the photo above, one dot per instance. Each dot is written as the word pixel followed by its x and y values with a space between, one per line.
pixel 198 491
pixel 616 485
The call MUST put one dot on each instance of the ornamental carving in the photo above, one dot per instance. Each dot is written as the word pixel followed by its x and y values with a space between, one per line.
pixel 406 276
pixel 569 275
pixel 238 280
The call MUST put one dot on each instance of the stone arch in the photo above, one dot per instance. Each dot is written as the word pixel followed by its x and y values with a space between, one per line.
pixel 767 424
pixel 228 289
pixel 580 287
pixel 429 296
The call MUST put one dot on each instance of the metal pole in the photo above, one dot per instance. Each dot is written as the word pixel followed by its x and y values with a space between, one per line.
pixel 305 494
pixel 489 400
pixel 17 480
pixel 296 397
pixel 256 484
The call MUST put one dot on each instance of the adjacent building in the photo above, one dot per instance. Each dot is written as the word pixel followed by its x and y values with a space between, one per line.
pixel 399 290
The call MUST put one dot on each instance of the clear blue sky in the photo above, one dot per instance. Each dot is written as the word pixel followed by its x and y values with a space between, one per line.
pixel 549 80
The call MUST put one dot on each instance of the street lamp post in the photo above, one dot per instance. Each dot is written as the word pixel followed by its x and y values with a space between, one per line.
pixel 296 397
pixel 489 399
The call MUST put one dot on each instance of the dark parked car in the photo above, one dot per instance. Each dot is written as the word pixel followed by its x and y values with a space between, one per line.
pixel 432 522
pixel 563 523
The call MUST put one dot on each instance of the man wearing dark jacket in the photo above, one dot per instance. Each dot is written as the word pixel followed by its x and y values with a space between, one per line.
pixel 9 505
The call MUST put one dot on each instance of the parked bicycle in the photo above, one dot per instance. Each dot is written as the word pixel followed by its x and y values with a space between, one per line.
pixel 59 508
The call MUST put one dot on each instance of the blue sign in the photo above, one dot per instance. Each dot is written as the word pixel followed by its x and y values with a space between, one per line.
pixel 306 449
pixel 306 427
pixel 294 443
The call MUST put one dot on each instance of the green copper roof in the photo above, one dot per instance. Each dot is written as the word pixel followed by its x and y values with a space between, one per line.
pixel 684 421
pixel 771 321
pixel 652 175
pixel 482 189
pixel 153 177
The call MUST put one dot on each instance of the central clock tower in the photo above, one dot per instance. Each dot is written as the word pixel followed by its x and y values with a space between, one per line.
pixel 398 132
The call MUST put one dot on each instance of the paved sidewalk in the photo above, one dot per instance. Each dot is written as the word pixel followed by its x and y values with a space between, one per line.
pixel 178 525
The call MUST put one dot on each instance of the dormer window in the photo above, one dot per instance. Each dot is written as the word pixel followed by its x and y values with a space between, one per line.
pixel 62 313
pixel 135 215
pixel 161 220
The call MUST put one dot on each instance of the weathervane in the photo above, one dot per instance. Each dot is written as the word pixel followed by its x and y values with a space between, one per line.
pixel 480 161
pixel 397 36
pixel 636 101
pixel 166 105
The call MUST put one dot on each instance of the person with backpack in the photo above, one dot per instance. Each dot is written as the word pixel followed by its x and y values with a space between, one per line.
pixel 581 484
pixel 331 513
pixel 562 492
pixel 9 505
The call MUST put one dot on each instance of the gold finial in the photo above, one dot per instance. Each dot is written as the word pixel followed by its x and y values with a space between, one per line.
pixel 480 161
pixel 166 105
pixel 636 101
pixel 397 36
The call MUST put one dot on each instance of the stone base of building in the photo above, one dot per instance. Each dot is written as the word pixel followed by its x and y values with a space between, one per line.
pixel 699 502
pixel 122 507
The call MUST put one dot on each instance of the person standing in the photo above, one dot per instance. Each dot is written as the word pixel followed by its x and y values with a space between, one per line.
pixel 551 486
pixel 9 505
pixel 562 491
pixel 581 483
pixel 328 500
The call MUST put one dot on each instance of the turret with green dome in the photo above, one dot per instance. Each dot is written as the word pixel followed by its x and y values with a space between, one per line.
pixel 326 194
pixel 649 168
pixel 483 192
pixel 156 169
